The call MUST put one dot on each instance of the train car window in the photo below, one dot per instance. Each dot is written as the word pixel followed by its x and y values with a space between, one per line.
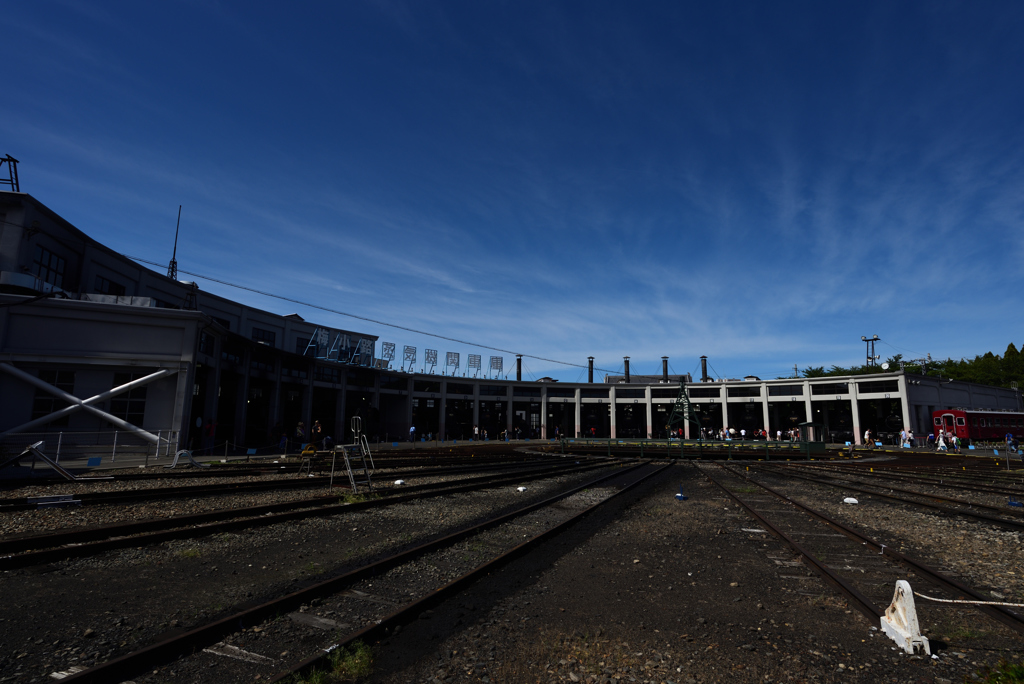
pixel 938 421
pixel 961 421
pixel 974 422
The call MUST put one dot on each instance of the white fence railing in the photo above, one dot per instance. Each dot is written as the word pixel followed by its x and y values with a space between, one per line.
pixel 108 445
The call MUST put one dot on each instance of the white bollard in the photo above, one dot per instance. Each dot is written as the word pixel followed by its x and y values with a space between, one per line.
pixel 900 620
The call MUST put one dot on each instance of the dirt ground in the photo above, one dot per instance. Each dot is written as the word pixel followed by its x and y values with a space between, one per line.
pixel 664 591
pixel 645 589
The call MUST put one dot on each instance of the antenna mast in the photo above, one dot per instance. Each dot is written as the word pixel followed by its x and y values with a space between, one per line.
pixel 172 268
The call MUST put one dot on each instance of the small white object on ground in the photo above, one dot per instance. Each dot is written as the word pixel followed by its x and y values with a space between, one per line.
pixel 520 489
pixel 399 482
pixel 850 500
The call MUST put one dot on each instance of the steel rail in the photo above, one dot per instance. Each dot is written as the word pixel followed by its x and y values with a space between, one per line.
pixel 915 480
pixel 112 537
pixel 856 598
pixel 1009 524
pixel 386 625
pixel 999 613
pixel 232 488
pixel 143 659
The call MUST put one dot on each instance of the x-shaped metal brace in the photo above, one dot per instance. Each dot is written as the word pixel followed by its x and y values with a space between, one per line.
pixel 77 404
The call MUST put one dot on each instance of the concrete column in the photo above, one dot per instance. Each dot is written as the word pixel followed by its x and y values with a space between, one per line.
pixel 307 401
pixel 807 401
pixel 725 407
pixel 611 398
pixel 242 401
pixel 904 401
pixel 184 380
pixel 408 407
pixel 215 385
pixel 442 420
pixel 508 413
pixel 543 412
pixel 686 428
pixel 339 416
pixel 476 407
pixel 578 408
pixel 650 410
pixel 857 439
pixel 275 400
pixel 764 405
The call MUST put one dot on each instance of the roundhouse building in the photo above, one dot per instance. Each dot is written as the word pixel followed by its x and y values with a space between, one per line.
pixel 92 344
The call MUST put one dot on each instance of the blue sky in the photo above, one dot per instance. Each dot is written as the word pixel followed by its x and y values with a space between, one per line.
pixel 763 183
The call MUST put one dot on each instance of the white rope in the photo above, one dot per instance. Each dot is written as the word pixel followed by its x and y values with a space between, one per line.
pixel 974 603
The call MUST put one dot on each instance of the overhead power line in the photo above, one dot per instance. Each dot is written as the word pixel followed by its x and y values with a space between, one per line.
pixel 368 320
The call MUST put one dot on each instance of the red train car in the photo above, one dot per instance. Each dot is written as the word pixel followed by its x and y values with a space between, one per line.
pixel 985 426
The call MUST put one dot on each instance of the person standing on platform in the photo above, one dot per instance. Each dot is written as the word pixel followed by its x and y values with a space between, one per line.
pixel 412 433
pixel 476 433
pixel 316 433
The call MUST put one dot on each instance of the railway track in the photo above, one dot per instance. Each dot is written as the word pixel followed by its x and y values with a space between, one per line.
pixel 371 601
pixel 861 569
pixel 707 451
pixel 946 481
pixel 150 494
pixel 1012 520
pixel 48 548
pixel 45 478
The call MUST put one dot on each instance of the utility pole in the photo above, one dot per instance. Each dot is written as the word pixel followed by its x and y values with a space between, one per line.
pixel 870 342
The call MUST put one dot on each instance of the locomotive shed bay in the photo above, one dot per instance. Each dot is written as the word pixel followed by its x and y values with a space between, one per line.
pixel 644 588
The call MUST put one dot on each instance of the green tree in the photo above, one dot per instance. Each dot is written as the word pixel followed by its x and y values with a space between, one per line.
pixel 1013 366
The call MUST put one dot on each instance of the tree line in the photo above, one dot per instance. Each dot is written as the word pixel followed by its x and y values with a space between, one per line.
pixel 989 369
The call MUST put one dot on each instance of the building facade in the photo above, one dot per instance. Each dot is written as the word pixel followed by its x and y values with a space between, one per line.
pixel 93 343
